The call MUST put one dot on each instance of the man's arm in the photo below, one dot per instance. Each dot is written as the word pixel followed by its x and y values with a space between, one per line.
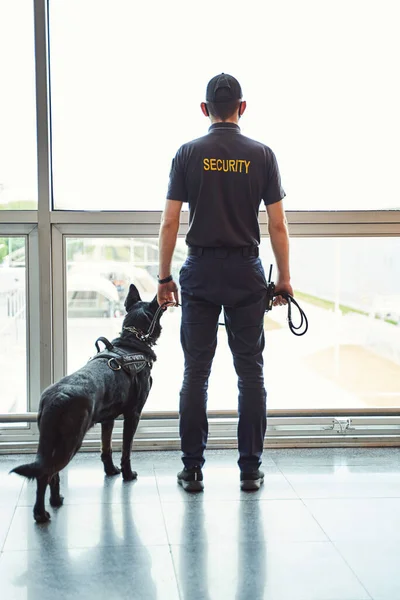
pixel 168 292
pixel 279 236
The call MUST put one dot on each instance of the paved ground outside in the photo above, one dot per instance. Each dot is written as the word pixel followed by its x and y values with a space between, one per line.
pixel 348 361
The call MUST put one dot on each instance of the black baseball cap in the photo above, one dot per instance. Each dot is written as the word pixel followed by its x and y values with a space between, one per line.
pixel 223 88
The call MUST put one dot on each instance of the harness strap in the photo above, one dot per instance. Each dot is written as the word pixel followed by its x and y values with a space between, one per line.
pixel 127 362
pixel 117 359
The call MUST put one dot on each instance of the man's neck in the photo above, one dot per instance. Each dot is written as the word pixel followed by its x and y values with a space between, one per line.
pixel 233 120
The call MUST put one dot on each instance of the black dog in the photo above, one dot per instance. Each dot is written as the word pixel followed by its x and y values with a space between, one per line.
pixel 114 382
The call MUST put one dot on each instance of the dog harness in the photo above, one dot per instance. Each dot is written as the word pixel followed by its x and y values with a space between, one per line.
pixel 132 364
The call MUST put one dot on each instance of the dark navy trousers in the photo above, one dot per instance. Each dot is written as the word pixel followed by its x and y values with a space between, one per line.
pixel 223 278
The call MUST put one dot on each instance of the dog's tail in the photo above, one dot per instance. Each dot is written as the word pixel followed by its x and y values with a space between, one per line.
pixel 46 448
pixel 30 470
pixel 61 435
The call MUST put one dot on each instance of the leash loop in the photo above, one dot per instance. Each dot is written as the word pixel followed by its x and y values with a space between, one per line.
pixel 303 319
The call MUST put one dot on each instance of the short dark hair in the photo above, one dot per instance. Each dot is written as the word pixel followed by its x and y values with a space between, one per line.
pixel 223 110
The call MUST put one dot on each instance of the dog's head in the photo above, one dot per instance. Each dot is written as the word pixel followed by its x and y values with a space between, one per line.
pixel 140 314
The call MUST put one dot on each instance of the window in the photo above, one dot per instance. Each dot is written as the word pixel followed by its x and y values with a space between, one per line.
pixel 318 77
pixel 126 82
pixel 13 318
pixel 348 287
pixel 18 163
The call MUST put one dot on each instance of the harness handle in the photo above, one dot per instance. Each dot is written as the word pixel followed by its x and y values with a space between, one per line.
pixel 105 341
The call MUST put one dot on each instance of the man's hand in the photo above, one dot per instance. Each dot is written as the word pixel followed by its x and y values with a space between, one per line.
pixel 282 286
pixel 168 292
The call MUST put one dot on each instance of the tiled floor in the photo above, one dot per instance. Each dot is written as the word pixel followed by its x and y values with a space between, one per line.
pixel 325 526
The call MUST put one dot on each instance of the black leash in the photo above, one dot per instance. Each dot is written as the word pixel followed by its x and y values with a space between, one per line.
pixel 271 294
pixel 145 337
pixel 303 319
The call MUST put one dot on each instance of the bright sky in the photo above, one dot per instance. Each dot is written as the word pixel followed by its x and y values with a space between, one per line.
pixel 320 78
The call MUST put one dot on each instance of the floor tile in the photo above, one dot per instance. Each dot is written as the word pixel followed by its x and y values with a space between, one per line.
pixel 351 481
pixel 85 484
pixel 233 521
pixel 6 515
pixel 224 484
pixel 355 519
pixel 219 459
pixel 258 571
pixel 88 525
pixel 376 565
pixel 325 526
pixel 142 462
pixel 100 573
pixel 10 487
pixel 334 456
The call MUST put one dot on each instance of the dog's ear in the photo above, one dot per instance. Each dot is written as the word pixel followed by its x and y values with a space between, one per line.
pixel 132 297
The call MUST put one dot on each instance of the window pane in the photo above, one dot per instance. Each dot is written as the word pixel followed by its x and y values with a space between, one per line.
pixel 13 351
pixel 128 77
pixel 349 289
pixel 18 163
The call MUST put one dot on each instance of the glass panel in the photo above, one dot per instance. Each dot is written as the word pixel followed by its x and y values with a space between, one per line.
pixel 13 350
pixel 349 289
pixel 126 95
pixel 18 163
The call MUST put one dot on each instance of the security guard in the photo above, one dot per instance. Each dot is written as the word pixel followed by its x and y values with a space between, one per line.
pixel 223 177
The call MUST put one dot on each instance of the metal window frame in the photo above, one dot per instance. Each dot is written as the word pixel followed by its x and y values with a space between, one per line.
pixel 46 230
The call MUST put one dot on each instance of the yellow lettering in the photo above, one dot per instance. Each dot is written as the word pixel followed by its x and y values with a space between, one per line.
pixel 226 165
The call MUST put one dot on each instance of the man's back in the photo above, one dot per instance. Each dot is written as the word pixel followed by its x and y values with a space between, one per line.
pixel 224 176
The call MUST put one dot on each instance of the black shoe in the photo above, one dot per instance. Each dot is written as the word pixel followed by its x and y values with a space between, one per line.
pixel 251 481
pixel 191 479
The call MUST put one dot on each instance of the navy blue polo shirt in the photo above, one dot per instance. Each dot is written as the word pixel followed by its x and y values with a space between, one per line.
pixel 224 176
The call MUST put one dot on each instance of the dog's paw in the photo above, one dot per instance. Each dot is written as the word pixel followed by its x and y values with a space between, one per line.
pixel 109 467
pixel 129 475
pixel 42 517
pixel 57 501
pixel 111 470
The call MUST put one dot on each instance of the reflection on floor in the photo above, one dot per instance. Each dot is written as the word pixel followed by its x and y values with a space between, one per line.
pixel 325 526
